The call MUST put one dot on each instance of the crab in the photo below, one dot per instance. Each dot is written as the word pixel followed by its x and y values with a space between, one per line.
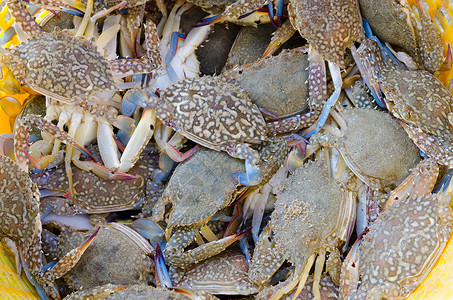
pixel 94 195
pixel 139 292
pixel 215 114
pixel 418 36
pixel 118 255
pixel 208 194
pixel 403 244
pixel 361 132
pixel 329 27
pixel 38 63
pixel 21 227
pixel 225 274
pixel 418 100
pixel 306 223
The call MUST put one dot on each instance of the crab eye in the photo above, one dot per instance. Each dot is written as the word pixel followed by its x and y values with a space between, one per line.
pixel 406 113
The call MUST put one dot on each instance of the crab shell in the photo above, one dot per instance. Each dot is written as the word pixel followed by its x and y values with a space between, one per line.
pixel 60 66
pixel 329 26
pixel 403 244
pixel 95 195
pixel 201 186
pixel 266 83
pixel 306 213
pixel 117 255
pixel 362 148
pixel 19 207
pixel 212 112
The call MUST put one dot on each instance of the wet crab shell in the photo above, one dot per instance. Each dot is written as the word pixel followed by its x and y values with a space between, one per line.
pixel 377 148
pixel 329 26
pixel 95 195
pixel 267 83
pixel 19 197
pixel 212 112
pixel 201 186
pixel 403 243
pixel 61 66
pixel 306 214
pixel 113 257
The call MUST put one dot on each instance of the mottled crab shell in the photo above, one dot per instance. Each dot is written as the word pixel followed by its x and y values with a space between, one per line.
pixel 266 81
pixel 329 26
pixel 212 112
pixel 138 292
pixel 306 212
pixel 95 195
pixel 201 186
pixel 376 148
pixel 61 66
pixel 404 243
pixel 19 204
pixel 117 255
pixel 418 98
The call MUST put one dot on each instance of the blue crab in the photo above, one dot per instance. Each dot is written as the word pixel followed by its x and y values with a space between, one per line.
pixel 21 226
pixel 420 102
pixel 305 224
pixel 403 244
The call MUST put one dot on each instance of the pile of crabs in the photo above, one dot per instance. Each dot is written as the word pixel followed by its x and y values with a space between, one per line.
pixel 125 175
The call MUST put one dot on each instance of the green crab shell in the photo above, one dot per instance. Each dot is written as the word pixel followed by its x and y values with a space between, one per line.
pixel 201 186
pixel 306 212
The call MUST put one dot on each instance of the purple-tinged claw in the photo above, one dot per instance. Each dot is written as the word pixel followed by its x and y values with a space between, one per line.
pixel 252 175
pixel 269 114
pixel 161 268
pixel 177 156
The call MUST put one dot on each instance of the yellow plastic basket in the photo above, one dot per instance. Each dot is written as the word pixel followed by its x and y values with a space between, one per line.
pixel 439 283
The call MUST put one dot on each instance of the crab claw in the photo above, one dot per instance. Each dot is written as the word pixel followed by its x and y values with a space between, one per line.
pixel 136 97
pixel 103 172
pixel 252 175
pixel 211 20
pixel 177 156
pixel 161 268
pixel 68 261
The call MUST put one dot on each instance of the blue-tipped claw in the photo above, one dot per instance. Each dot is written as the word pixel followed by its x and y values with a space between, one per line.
pixel 244 245
pixel 324 114
pixel 174 41
pixel 210 20
pixel 136 97
pixel 161 268
pixel 252 175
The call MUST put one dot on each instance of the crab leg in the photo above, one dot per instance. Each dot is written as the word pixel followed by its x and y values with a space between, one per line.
pixel 22 138
pixel 202 252
pixel 419 183
pixel 23 18
pixel 66 263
